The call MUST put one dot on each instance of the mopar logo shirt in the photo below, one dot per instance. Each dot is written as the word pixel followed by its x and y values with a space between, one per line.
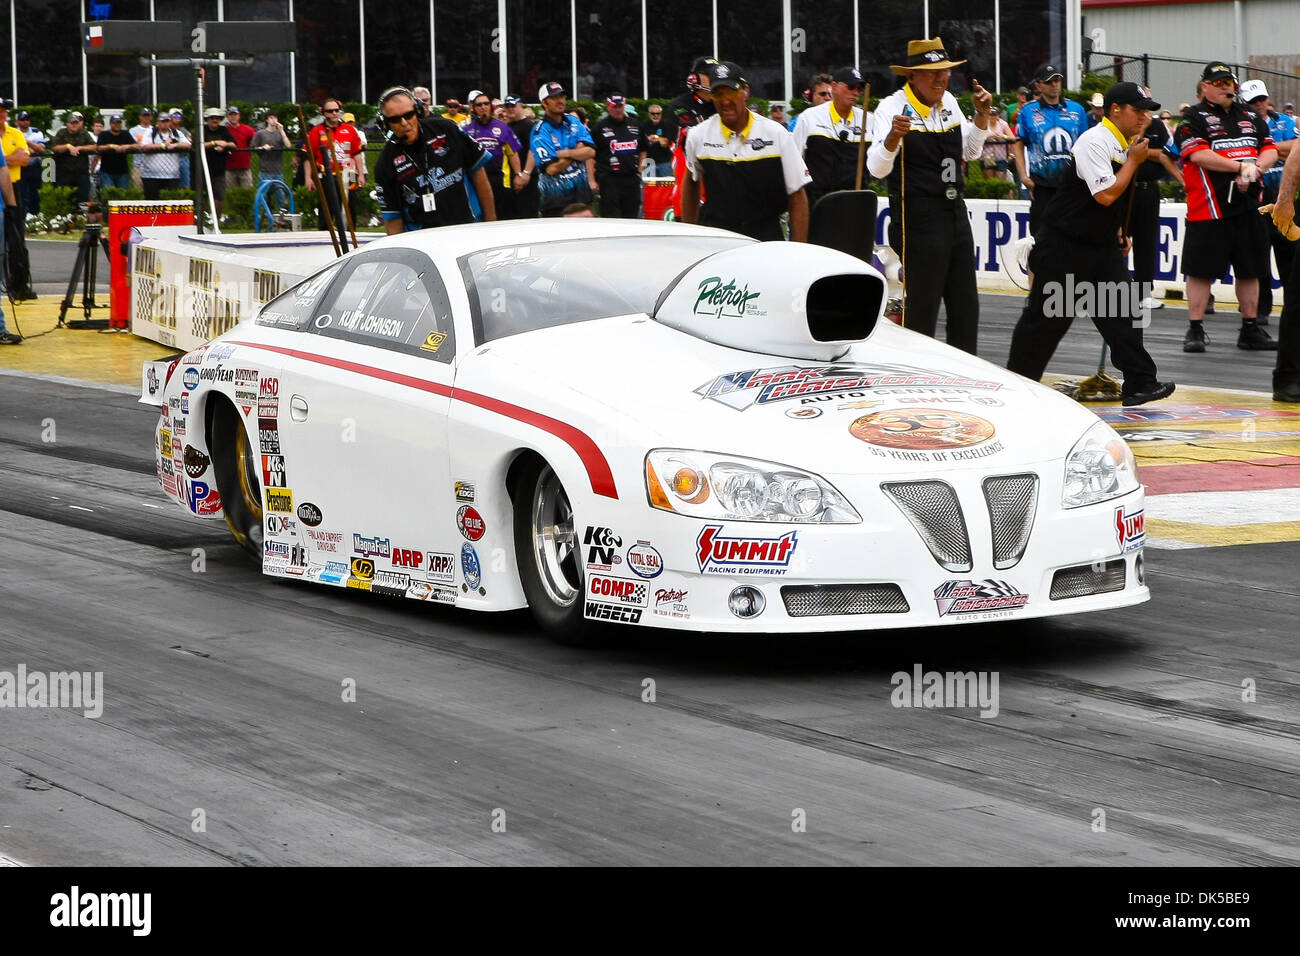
pixel 1049 134
pixel 440 162
pixel 548 139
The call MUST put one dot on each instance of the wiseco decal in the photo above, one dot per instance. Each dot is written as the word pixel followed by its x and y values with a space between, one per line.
pixel 744 555
pixel 598 470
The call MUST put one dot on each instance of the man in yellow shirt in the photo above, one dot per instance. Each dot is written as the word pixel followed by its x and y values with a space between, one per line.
pixel 16 158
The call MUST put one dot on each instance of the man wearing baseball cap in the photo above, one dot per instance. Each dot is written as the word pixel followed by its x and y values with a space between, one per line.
pixel 1048 128
pixel 73 147
pixel 1283 130
pixel 828 135
pixel 239 164
pixel 30 184
pixel 525 201
pixel 499 141
pixel 1079 261
pixel 920 143
pixel 621 147
pixel 16 157
pixel 114 144
pixel 141 131
pixel 1224 148
pixel 562 146
pixel 748 167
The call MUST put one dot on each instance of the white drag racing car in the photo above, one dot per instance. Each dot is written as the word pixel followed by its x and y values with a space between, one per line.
pixel 645 423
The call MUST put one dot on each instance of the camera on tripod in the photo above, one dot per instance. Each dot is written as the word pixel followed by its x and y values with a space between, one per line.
pixel 92 211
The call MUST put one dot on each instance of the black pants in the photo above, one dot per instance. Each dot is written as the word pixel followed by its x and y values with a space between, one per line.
pixel 933 239
pixel 1038 206
pixel 1286 374
pixel 1283 252
pixel 503 199
pixel 31 186
pixel 525 206
pixel 620 196
pixel 153 187
pixel 18 270
pixel 1054 299
pixel 1144 228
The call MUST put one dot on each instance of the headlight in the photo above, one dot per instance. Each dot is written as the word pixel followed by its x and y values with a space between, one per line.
pixel 707 485
pixel 1100 466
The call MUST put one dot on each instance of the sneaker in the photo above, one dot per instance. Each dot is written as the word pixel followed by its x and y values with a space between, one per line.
pixel 1150 302
pixel 10 338
pixel 1254 338
pixel 1157 391
pixel 1195 339
pixel 1287 393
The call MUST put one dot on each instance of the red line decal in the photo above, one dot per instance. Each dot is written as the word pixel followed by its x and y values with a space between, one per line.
pixel 598 471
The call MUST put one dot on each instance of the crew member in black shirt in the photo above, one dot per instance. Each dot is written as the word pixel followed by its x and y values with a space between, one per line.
pixel 218 141
pixel 692 107
pixel 1145 228
pixel 620 151
pixel 660 149
pixel 525 206
pixel 421 173
pixel 828 136
pixel 1078 261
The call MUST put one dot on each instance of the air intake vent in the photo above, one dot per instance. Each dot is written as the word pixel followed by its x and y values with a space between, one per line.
pixel 935 513
pixel 1087 579
pixel 825 600
pixel 1012 501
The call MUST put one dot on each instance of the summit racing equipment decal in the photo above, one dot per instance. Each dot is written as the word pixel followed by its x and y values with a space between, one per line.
pixel 967 597
pixel 759 386
pixel 718 554
pixel 1130 529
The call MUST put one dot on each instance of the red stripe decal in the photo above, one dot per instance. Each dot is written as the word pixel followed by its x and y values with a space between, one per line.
pixel 598 471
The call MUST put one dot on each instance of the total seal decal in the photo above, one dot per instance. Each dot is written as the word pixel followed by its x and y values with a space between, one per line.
pixel 470 567
pixel 470 522
pixel 717 553
pixel 984 597
pixel 644 560
pixel 1130 529
pixel 760 386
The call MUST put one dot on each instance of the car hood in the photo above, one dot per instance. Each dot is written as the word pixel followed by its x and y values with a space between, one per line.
pixel 898 402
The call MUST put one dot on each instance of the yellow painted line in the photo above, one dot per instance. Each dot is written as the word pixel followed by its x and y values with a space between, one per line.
pixel 1183 454
pixel 1211 535
pixel 112 358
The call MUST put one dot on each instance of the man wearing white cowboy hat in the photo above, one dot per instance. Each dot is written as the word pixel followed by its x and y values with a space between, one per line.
pixel 920 141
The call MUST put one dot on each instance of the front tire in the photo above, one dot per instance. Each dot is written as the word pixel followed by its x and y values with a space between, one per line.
pixel 236 465
pixel 549 556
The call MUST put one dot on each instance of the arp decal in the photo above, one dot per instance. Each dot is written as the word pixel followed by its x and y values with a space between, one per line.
pixel 758 386
pixel 470 522
pixel 273 475
pixel 470 567
pixel 196 463
pixel 1130 529
pixel 744 555
pixel 618 590
pixel 921 431
pixel 985 597
pixel 644 561
pixel 279 500
pixel 310 515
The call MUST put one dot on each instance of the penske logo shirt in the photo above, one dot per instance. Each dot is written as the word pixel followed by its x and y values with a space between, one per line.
pixel 747 176
pixel 1237 133
pixel 829 144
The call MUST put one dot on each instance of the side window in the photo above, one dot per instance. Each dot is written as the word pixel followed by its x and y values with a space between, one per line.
pixel 294 309
pixel 395 301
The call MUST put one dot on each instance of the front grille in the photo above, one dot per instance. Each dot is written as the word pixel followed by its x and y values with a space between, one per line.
pixel 1086 579
pixel 1012 502
pixel 824 600
pixel 935 513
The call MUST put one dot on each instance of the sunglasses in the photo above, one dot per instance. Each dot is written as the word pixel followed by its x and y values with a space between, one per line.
pixel 400 118
pixel 481 103
pixel 335 110
pixel 1224 84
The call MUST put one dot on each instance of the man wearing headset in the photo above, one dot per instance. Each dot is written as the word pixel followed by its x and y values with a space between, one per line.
pixel 425 168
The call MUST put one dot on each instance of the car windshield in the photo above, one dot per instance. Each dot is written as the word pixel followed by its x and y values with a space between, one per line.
pixel 544 284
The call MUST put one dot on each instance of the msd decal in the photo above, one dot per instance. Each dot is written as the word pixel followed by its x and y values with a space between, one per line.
pixel 268 398
pixel 1130 529
pixel 967 597
pixel 717 553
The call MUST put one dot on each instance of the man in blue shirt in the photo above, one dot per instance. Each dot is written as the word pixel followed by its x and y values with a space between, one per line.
pixel 1048 128
pixel 1283 130
pixel 562 146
